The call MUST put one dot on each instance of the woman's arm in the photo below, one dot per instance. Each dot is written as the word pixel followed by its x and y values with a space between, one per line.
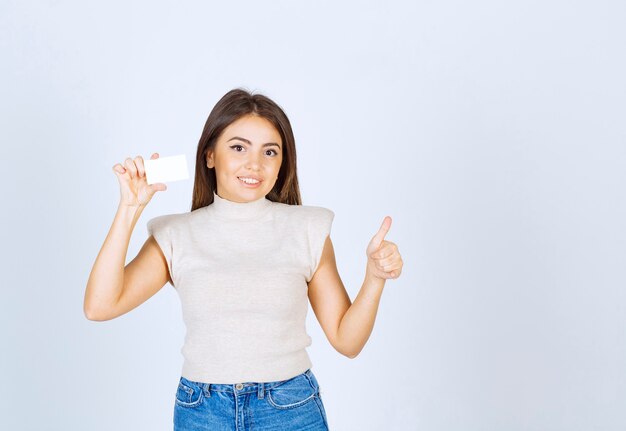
pixel 106 279
pixel 113 289
pixel 348 325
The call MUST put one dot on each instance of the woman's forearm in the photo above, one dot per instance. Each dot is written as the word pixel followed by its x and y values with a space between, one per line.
pixel 357 324
pixel 106 279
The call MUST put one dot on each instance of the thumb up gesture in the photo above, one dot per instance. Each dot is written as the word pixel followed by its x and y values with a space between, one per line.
pixel 383 259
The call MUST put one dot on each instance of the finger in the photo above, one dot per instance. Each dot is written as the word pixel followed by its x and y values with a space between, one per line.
pixel 386 250
pixel 380 235
pixel 154 156
pixel 130 167
pixel 393 267
pixel 388 267
pixel 380 267
pixel 387 261
pixel 141 171
pixel 394 272
pixel 158 187
pixel 118 169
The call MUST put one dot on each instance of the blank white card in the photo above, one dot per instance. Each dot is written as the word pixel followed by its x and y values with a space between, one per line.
pixel 166 169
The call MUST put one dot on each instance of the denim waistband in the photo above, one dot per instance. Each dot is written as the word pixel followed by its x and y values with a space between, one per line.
pixel 243 388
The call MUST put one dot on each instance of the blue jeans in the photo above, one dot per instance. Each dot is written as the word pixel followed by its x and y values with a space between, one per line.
pixel 292 404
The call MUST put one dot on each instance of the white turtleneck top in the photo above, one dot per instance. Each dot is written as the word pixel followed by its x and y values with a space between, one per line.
pixel 241 271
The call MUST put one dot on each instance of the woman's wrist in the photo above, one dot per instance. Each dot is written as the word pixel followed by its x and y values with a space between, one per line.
pixel 129 214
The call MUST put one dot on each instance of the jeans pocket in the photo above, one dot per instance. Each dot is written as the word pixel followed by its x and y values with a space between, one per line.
pixel 188 393
pixel 292 393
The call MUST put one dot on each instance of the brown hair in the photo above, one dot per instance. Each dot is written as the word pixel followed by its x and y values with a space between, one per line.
pixel 232 106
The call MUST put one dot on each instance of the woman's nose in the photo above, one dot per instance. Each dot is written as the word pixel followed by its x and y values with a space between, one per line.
pixel 254 161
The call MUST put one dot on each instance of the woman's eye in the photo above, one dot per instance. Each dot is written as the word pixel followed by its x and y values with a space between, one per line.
pixel 236 148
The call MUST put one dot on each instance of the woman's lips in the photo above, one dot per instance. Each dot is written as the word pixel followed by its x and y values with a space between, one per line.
pixel 250 184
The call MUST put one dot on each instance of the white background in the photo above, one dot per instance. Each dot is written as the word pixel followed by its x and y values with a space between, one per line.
pixel 491 132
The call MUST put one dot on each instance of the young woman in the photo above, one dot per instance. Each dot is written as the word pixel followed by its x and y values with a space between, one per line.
pixel 244 260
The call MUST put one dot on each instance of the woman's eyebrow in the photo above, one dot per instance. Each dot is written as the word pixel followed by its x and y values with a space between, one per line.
pixel 269 144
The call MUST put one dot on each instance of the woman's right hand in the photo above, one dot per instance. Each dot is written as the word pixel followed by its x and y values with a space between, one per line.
pixel 134 188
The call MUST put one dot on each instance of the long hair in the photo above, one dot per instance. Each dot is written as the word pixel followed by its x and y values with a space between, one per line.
pixel 232 106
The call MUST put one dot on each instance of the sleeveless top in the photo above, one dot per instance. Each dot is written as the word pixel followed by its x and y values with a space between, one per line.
pixel 241 272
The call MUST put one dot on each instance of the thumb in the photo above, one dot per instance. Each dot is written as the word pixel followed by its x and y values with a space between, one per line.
pixel 380 235
pixel 157 187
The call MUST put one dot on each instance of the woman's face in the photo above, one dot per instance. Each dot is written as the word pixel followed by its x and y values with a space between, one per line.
pixel 247 158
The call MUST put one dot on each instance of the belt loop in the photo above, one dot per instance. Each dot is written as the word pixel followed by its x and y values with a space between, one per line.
pixel 261 393
pixel 207 389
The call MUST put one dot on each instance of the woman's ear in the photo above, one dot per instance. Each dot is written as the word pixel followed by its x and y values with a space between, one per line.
pixel 210 162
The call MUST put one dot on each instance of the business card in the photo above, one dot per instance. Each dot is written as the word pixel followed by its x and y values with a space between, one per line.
pixel 166 169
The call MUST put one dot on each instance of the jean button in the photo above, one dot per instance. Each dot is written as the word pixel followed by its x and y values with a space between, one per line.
pixel 239 386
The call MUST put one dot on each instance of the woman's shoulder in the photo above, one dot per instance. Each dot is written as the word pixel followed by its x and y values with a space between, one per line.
pixel 304 211
pixel 172 220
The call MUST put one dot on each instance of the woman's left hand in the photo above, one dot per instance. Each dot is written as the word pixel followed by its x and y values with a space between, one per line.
pixel 383 259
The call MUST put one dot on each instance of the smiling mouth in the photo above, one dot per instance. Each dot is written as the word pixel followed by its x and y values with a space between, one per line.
pixel 247 180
